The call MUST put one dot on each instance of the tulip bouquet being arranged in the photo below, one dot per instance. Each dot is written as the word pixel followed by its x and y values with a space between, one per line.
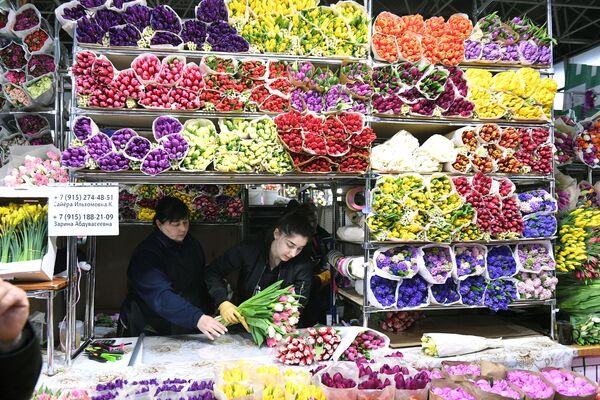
pixel 271 313
pixel 518 95
pixel 579 243
pixel 490 148
pixel 23 232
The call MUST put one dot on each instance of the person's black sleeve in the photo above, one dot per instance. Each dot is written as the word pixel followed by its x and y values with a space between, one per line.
pixel 20 369
pixel 220 268
pixel 303 281
pixel 154 287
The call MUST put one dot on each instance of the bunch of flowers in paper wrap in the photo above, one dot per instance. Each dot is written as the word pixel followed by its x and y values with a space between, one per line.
pixel 323 144
pixel 587 145
pixel 398 321
pixel 533 257
pixel 515 41
pixel 401 261
pixel 579 243
pixel 44 393
pixel 402 153
pixel 363 344
pixel 540 286
pixel 497 209
pixel 567 383
pixel 137 25
pixel 497 386
pixel 565 131
pixel 532 384
pixel 470 260
pixel 451 393
pixel 490 148
pixel 448 345
pixel 271 313
pixel 439 263
pixel 411 38
pixel 519 95
pixel 412 293
pixel 25 69
pixel 36 171
pixel 537 201
pixel 472 290
pixel 420 90
pixel 499 294
pixel 302 27
pixel 23 232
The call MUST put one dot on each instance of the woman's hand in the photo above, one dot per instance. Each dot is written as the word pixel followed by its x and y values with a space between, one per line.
pixel 230 313
pixel 211 327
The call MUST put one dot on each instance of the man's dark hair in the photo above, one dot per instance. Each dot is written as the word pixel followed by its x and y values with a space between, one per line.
pixel 296 222
pixel 170 209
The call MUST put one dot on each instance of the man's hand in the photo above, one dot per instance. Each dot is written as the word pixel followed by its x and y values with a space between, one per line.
pixel 230 313
pixel 14 310
pixel 211 327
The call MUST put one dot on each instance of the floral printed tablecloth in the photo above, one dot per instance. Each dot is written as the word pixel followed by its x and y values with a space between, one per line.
pixel 194 357
pixel 531 353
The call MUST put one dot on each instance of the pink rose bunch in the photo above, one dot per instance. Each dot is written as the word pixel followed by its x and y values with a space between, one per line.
pixel 568 384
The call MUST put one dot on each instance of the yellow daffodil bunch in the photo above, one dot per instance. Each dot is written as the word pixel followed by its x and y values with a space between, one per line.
pixel 23 232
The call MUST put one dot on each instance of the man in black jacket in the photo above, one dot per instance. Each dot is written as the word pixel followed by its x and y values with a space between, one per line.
pixel 20 357
pixel 261 263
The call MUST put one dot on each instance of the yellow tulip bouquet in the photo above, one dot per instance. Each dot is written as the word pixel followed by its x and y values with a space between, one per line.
pixel 579 243
pixel 23 232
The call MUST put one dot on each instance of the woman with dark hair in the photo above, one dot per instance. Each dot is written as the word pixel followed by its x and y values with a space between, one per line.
pixel 262 262
pixel 167 289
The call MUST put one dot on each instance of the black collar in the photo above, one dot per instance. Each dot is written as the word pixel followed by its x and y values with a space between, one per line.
pixel 170 243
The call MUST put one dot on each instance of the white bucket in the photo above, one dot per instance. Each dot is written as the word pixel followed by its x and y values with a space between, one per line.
pixel 255 196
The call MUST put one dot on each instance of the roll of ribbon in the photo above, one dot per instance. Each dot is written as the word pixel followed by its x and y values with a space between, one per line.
pixel 355 198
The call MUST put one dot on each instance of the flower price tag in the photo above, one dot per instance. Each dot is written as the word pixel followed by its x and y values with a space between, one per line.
pixel 84 210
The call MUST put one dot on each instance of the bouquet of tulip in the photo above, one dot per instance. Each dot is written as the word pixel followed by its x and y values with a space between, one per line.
pixel 44 393
pixel 23 231
pixel 37 172
pixel 271 314
pixel 448 344
pixel 579 243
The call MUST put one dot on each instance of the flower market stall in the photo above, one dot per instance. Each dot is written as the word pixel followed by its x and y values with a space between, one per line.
pixel 444 123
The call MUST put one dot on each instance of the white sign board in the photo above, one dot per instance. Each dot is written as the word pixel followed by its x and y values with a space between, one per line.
pixel 83 211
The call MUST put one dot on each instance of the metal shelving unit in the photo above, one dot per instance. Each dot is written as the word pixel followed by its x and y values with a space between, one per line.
pixel 140 117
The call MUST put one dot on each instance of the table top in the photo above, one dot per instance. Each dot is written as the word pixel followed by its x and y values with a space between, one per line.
pixel 193 356
pixel 58 283
pixel 587 351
